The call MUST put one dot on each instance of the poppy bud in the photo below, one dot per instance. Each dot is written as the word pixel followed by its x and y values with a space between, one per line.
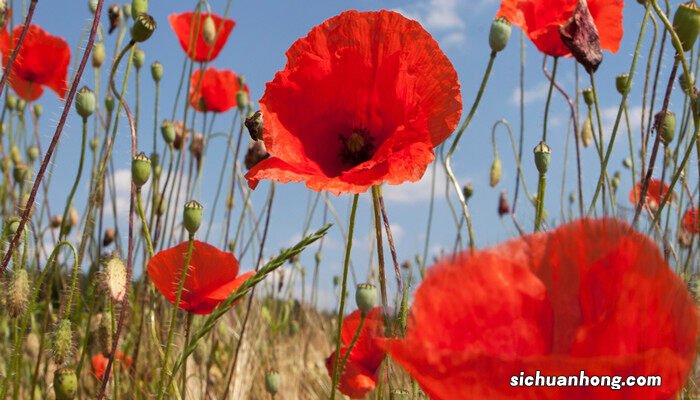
pixel 499 34
pixel 365 297
pixel 336 280
pixel 143 28
pixel 85 102
pixel 294 327
pixel 468 191
pixel 94 143
pixel 197 147
pixel 73 216
pixel 98 54
pixel 92 5
pixel 139 58
pixel 192 217
pixel 20 173
pixel 623 84
pixel 115 278
pixel 398 394
pixel 627 163
pixel 38 110
pixel 63 342
pixel 32 153
pixel 115 17
pixel 686 23
pixel 572 197
pixel 256 153
pixel 181 135
pixel 687 85
pixel 65 384
pixel 11 102
pixel 587 132
pixel 140 170
pixel 21 105
pixel 668 127
pixel 588 96
pixel 157 71
pixel 127 11
pixel 11 227
pixel 241 80
pixel 503 206
pixel 254 124
pixel 109 103
pixel 158 204
pixel 209 30
pixel 242 100
pixel 495 175
pixel 168 131
pixel 317 257
pixel 56 221
pixel 138 7
pixel 104 334
pixel 109 236
pixel 273 381
pixel 18 293
pixel 15 154
pixel 616 181
pixel 23 205
pixel 543 153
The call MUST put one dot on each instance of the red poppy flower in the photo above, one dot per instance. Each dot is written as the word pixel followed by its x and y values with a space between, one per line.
pixel 214 90
pixel 184 23
pixel 540 19
pixel 359 376
pixel 99 365
pixel 211 278
pixel 591 296
pixel 42 61
pixel 655 193
pixel 691 220
pixel 363 99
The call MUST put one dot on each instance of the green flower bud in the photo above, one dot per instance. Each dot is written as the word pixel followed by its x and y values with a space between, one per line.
pixel 623 84
pixel 468 191
pixel 20 173
pixel 21 105
pixel 127 11
pixel 241 80
pixel 94 143
pixel 159 204
pixel 627 163
pixel 686 23
pixel 668 127
pixel 140 169
pixel 38 110
pixel 616 181
pixel 139 58
pixel 15 154
pixel 157 71
pixel 138 7
pixel 143 28
pixel 167 129
pixel 365 297
pixel 98 54
pixel 92 6
pixel 588 96
pixel 65 384
pixel 317 257
pixel 63 342
pixel 192 217
pixel 495 175
pixel 543 153
pixel 273 381
pixel 11 227
pixel 11 102
pixel 499 34
pixel 18 293
pixel 587 132
pixel 242 100
pixel 572 197
pixel 109 103
pixel 687 85
pixel 209 30
pixel 85 102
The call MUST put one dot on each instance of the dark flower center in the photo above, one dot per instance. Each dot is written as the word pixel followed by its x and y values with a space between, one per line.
pixel 357 147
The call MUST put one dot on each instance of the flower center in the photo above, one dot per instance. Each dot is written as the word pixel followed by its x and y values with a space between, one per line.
pixel 357 148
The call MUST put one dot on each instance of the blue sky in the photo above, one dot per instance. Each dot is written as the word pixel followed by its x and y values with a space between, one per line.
pixel 265 30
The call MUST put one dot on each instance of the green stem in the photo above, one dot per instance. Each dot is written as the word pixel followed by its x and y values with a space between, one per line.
pixel 363 316
pixel 549 98
pixel 380 249
pixel 142 215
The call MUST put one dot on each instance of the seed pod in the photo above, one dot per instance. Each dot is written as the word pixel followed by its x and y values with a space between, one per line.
pixel 365 297
pixel 65 384
pixel 85 102
pixel 157 71
pixel 686 23
pixel 255 154
pixel 18 293
pixel 143 28
pixel 687 85
pixel 140 170
pixel 242 100
pixel 499 35
pixel 139 58
pixel 63 342
pixel 468 191
pixel 668 127
pixel 192 216
pixel 32 153
pixel 588 97
pixel 623 84
pixel 209 30
pixel 167 130
pixel 273 381
pixel 98 54
pixel 109 103
pixel 495 175
pixel 254 123
pixel 543 153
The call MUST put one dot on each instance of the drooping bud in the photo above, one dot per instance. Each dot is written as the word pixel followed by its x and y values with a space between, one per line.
pixel 623 84
pixel 273 381
pixel 98 54
pixel 139 58
pixel 143 28
pixel 254 123
pixel 687 85
pixel 686 23
pixel 127 10
pixel 157 71
pixel 140 169
pixel 138 7
pixel 167 130
pixel 115 279
pixel 242 100
pixel 365 297
pixel 209 30
pixel 109 103
pixel 503 205
pixel 499 35
pixel 588 96
pixel 65 384
pixel 587 132
pixel 615 182
pixel 255 154
pixel 56 221
pixel 192 217
pixel 32 153
pixel 115 17
pixel 63 342
pixel 109 236
pixel 92 5
pixel 85 102
pixel 668 127
pixel 468 191
pixel 18 293
pixel 543 153
pixel 627 163
pixel 495 174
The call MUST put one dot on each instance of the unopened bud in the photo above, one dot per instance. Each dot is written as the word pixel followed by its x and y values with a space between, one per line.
pixel 98 54
pixel 140 169
pixel 167 130
pixel 495 174
pixel 65 384
pixel 11 102
pixel 627 163
pixel 85 102
pixel 158 204
pixel 18 293
pixel 63 342
pixel 38 110
pixel 242 100
pixel 139 58
pixel 157 71
pixel 503 206
pixel 543 153
pixel 623 84
pixel 32 153
pixel 365 297
pixel 468 191
pixel 109 236
pixel 499 34
pixel 273 381
pixel 115 278
pixel 687 85
pixel 588 97
pixel 192 216
pixel 109 103
pixel 92 5
pixel 209 30
pixel 668 127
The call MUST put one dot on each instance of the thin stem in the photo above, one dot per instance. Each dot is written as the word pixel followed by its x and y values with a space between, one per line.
pixel 549 98
pixel 380 250
pixel 363 317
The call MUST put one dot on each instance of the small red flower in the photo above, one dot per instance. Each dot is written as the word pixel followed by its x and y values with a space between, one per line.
pixel 655 193
pixel 211 277
pixel 214 90
pixel 42 61
pixel 364 98
pixel 359 376
pixel 99 365
pixel 691 221
pixel 591 296
pixel 541 19
pixel 199 50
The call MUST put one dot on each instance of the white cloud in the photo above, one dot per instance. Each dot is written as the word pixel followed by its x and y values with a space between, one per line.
pixel 609 115
pixel 408 193
pixel 532 94
pixel 443 18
